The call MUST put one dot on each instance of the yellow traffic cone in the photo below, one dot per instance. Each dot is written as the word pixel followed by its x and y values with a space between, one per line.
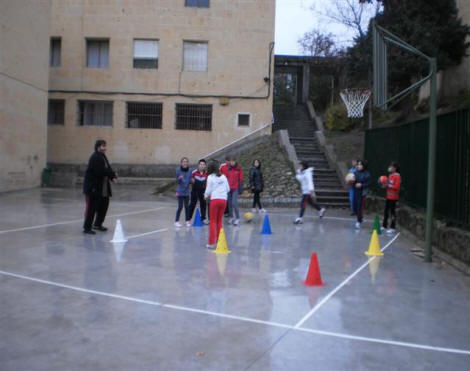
pixel 374 264
pixel 222 244
pixel 374 246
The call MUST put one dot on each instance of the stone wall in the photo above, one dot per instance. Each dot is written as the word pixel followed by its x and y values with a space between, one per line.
pixel 452 241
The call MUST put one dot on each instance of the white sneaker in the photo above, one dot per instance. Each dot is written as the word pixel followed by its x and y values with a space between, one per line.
pixel 205 222
pixel 358 225
pixel 254 211
pixel 230 220
pixel 298 221
pixel 390 231
pixel 188 224
pixel 236 222
pixel 321 212
pixel 382 229
pixel 263 211
pixel 178 224
pixel 211 247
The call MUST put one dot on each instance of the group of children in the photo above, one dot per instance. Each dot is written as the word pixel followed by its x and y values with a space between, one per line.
pixel 359 189
pixel 218 186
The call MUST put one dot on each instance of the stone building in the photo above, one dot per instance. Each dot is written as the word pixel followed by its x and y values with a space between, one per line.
pixel 24 53
pixel 157 79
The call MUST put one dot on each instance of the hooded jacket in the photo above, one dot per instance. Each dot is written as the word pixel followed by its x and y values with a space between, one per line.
pixel 183 179
pixel 305 178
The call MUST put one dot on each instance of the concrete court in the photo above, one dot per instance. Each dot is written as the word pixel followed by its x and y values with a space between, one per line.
pixel 164 302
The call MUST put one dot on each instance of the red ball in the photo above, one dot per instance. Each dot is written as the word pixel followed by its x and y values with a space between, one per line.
pixel 383 179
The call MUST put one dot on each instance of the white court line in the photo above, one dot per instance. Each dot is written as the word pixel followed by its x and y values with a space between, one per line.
pixel 239 318
pixel 147 233
pixel 77 220
pixel 340 286
pixel 316 217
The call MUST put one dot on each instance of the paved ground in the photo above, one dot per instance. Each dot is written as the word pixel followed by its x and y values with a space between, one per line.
pixel 163 302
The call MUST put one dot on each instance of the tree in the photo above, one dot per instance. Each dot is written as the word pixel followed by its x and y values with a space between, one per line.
pixel 431 26
pixel 316 44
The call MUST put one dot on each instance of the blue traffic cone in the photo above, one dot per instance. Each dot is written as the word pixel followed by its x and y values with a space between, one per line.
pixel 197 219
pixel 266 226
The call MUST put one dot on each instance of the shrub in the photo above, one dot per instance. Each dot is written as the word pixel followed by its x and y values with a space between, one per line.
pixel 336 118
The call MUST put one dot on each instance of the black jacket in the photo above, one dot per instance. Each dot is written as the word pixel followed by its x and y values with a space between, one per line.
pixel 98 168
pixel 256 179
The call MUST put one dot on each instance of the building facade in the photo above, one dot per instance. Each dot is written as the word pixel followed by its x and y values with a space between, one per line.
pixel 157 79
pixel 24 33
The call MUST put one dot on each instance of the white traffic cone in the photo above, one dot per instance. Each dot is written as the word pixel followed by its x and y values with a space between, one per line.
pixel 118 233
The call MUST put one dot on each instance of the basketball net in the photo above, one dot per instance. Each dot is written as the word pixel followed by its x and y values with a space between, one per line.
pixel 355 100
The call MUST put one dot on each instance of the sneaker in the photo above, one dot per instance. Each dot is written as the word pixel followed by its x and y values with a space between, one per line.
pixel 178 224
pixel 236 222
pixel 230 220
pixel 86 231
pixel 188 223
pixel 298 221
pixel 254 211
pixel 390 231
pixel 382 229
pixel 205 222
pixel 263 210
pixel 211 247
pixel 321 212
pixel 100 228
pixel 358 225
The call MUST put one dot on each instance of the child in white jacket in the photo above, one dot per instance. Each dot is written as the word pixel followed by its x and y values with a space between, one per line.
pixel 216 191
pixel 305 178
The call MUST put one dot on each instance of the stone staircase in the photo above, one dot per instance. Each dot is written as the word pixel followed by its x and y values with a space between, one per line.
pixel 296 120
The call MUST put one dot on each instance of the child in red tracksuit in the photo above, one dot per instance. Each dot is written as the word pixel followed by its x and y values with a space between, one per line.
pixel 235 178
pixel 393 194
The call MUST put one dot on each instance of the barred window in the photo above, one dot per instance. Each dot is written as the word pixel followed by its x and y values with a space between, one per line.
pixel 144 115
pixel 54 52
pixel 194 117
pixel 197 3
pixel 243 119
pixel 97 53
pixel 95 113
pixel 55 112
pixel 145 53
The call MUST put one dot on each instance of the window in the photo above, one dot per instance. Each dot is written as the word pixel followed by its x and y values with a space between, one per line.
pixel 55 112
pixel 243 119
pixel 197 3
pixel 95 113
pixel 97 53
pixel 194 117
pixel 195 56
pixel 146 54
pixel 144 115
pixel 54 53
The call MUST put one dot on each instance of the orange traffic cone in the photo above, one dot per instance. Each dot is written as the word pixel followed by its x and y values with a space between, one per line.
pixel 313 275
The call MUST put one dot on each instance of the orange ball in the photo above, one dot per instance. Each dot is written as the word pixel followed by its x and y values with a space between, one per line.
pixel 383 179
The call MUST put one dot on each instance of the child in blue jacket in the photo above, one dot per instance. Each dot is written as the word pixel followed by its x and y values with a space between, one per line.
pixel 183 180
pixel 361 188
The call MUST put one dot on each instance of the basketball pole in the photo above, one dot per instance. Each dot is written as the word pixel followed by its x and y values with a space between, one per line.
pixel 431 161
pixel 380 37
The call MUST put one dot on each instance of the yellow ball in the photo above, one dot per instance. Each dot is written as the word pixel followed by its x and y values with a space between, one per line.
pixel 248 217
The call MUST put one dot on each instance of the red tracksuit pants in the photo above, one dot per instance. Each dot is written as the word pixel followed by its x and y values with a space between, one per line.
pixel 217 208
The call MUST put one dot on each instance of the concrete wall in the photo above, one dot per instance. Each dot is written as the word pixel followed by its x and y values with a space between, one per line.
pixel 24 52
pixel 238 35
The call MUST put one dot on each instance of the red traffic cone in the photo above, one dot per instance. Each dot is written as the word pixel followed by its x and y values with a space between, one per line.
pixel 313 275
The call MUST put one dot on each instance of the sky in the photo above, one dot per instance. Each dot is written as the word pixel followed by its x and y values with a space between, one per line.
pixel 295 17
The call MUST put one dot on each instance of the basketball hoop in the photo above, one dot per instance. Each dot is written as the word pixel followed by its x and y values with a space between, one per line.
pixel 355 100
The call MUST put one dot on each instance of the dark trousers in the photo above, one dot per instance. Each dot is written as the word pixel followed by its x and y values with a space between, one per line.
pixel 96 209
pixel 390 206
pixel 307 199
pixel 195 196
pixel 183 201
pixel 359 200
pixel 256 199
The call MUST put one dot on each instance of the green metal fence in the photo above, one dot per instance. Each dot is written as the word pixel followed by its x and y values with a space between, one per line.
pixel 408 144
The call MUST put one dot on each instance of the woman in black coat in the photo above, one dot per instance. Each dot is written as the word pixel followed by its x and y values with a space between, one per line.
pixel 256 184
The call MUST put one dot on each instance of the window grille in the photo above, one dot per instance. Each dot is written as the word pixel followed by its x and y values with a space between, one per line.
pixel 194 117
pixel 144 115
